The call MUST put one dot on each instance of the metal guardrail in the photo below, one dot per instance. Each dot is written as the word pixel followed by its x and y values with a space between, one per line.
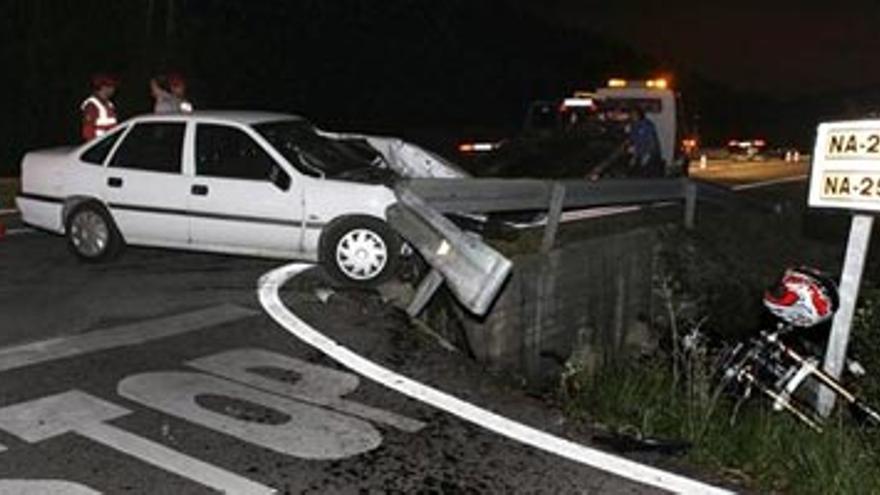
pixel 499 195
pixel 473 270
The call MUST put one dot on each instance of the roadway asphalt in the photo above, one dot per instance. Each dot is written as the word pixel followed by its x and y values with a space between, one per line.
pixel 738 173
pixel 160 373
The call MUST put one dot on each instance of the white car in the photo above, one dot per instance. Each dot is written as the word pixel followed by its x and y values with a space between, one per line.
pixel 247 183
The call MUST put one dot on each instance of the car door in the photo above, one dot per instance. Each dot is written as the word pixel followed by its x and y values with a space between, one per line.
pixel 144 187
pixel 241 199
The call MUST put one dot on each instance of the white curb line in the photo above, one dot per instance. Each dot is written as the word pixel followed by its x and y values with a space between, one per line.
pixel 268 288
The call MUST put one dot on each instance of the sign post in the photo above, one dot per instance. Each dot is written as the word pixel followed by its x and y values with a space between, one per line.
pixel 845 174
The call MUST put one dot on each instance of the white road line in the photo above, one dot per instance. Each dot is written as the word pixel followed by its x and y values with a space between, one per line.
pixel 269 286
pixel 19 231
pixel 766 183
pixel 8 211
pixel 173 461
pixel 44 487
pixel 307 432
pixel 133 334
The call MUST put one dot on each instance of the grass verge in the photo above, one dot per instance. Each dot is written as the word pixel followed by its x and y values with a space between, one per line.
pixel 713 277
pixel 762 449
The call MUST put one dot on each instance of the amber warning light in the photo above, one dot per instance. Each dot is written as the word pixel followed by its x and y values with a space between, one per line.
pixel 650 83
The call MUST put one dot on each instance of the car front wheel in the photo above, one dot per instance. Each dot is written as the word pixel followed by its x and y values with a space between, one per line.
pixel 360 251
pixel 91 233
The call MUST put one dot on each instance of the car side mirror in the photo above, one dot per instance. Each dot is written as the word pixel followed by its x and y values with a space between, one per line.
pixel 280 178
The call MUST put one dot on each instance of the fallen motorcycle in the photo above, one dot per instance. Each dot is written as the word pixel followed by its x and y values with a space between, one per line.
pixel 775 362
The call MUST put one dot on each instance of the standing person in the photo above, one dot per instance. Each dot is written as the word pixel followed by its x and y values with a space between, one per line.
pixel 169 93
pixel 645 145
pixel 178 88
pixel 98 111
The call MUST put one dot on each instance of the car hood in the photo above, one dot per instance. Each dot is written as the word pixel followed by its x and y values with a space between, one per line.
pixel 404 158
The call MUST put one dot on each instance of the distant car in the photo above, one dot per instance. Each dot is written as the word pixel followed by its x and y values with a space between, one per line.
pixel 747 149
pixel 245 183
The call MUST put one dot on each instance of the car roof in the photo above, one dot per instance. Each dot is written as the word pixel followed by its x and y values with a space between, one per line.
pixel 246 117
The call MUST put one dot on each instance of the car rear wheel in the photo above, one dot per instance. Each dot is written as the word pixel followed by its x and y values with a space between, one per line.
pixel 91 233
pixel 360 251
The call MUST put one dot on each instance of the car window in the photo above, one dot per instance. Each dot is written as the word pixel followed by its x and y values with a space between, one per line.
pixel 308 151
pixel 152 146
pixel 98 152
pixel 224 151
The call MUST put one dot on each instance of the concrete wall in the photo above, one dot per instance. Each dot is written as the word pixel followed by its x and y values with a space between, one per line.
pixel 591 299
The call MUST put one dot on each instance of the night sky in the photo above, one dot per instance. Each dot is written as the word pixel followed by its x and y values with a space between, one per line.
pixel 419 68
pixel 781 48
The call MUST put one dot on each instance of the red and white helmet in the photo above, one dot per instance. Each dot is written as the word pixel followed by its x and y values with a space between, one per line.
pixel 803 297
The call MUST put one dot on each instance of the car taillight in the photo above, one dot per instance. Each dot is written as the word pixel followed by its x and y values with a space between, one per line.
pixel 476 147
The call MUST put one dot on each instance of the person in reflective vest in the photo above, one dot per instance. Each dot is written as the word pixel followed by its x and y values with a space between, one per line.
pixel 98 112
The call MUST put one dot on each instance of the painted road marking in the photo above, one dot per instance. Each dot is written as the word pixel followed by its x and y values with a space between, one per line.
pixel 303 430
pixel 78 412
pixel 268 288
pixel 19 231
pixel 262 414
pixel 127 335
pixel 7 211
pixel 241 393
pixel 44 487
pixel 317 385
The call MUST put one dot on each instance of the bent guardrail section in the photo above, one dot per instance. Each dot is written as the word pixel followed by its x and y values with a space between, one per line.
pixel 472 269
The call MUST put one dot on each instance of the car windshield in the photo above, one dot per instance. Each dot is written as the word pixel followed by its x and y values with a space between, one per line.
pixel 307 150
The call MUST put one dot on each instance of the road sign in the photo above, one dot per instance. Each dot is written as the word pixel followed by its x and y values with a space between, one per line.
pixel 846 166
pixel 846 175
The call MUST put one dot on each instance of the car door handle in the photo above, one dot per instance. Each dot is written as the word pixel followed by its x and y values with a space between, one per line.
pixel 114 181
pixel 199 190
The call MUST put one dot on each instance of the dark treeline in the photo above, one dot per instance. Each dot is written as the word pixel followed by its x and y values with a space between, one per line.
pixel 394 65
pixel 389 64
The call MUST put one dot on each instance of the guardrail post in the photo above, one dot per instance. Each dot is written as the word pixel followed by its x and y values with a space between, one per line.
pixel 427 287
pixel 557 199
pixel 690 204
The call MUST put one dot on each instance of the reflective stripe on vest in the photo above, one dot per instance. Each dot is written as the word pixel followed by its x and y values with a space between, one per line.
pixel 106 119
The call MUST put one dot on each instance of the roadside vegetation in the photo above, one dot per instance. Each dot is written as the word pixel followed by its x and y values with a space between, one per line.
pixel 712 279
